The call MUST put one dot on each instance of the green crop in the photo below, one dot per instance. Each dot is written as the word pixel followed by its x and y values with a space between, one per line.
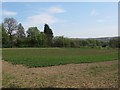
pixel 39 57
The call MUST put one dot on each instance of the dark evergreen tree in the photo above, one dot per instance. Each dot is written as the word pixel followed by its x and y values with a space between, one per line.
pixel 49 34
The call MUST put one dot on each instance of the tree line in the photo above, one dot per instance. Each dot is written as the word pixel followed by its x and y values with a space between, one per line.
pixel 14 35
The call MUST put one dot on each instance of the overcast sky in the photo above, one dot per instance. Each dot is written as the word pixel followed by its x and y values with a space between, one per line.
pixel 78 19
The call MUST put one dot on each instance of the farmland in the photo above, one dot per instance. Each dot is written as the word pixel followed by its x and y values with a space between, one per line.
pixel 84 75
pixel 60 68
pixel 41 57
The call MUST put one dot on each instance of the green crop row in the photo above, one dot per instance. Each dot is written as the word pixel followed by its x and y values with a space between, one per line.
pixel 38 57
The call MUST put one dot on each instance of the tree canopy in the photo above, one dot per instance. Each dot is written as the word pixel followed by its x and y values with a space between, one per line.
pixel 14 35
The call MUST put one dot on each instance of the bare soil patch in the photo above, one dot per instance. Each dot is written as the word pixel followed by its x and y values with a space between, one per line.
pixel 84 75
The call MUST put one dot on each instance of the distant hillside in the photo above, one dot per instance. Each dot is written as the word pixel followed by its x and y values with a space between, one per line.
pixel 105 39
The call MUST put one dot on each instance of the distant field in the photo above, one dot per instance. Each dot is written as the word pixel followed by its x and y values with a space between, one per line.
pixel 39 57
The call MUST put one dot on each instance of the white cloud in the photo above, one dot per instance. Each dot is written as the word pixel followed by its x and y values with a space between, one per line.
pixel 9 13
pixel 48 16
pixel 93 13
pixel 55 10
pixel 41 19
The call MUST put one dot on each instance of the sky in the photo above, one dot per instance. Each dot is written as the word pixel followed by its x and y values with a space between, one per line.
pixel 69 19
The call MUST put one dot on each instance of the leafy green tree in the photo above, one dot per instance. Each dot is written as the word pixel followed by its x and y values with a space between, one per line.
pixel 20 35
pixel 42 39
pixel 115 42
pixel 98 43
pixel 32 36
pixel 10 24
pixel 58 41
pixel 77 43
pixel 61 41
pixel 68 42
pixel 5 37
pixel 49 34
pixel 92 43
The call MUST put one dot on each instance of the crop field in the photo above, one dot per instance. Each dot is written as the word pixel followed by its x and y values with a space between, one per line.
pixel 84 68
pixel 42 57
